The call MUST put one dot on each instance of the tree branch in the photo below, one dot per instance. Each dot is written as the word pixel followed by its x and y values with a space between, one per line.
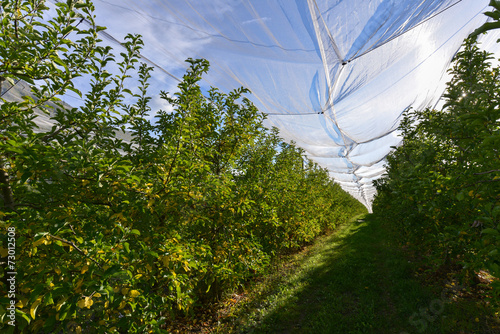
pixel 488 172
pixel 72 244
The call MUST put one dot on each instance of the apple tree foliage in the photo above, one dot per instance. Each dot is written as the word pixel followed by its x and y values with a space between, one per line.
pixel 442 187
pixel 115 235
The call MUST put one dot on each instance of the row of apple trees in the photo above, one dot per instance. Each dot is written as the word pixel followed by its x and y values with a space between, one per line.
pixel 112 235
pixel 442 188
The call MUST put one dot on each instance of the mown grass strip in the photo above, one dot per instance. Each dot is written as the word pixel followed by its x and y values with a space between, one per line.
pixel 355 280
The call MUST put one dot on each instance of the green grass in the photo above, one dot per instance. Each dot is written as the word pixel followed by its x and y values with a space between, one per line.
pixel 355 280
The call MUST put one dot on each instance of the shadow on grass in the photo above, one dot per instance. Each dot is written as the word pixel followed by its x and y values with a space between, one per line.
pixel 356 281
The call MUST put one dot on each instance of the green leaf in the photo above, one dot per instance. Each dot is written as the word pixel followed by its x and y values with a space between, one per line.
pixel 25 317
pixel 63 312
pixel 153 254
pixel 493 15
pixel 76 91
pixel 490 231
pixel 110 292
pixel 47 299
pixel 36 292
pixel 137 232
pixel 26 175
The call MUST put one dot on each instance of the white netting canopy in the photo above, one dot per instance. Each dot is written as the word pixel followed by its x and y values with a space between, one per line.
pixel 333 75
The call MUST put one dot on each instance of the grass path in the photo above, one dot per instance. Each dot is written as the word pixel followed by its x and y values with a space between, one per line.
pixel 356 280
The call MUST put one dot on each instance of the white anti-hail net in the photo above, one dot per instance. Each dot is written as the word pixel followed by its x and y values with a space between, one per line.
pixel 333 75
